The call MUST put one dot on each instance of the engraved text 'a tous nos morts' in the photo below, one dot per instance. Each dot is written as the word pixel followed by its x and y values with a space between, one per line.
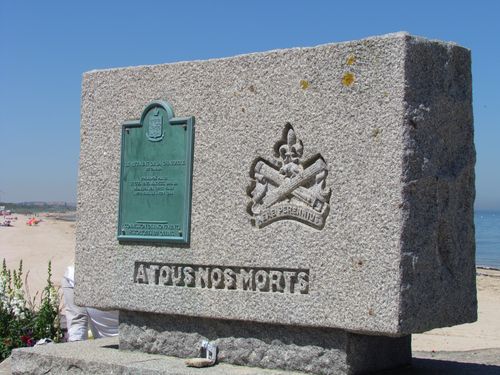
pixel 255 279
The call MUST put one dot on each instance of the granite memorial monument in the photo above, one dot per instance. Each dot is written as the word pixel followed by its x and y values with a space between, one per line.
pixel 309 210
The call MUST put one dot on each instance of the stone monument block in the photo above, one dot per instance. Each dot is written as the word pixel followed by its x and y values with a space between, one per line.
pixel 331 203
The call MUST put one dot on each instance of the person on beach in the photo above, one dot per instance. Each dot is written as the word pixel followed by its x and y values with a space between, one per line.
pixel 79 319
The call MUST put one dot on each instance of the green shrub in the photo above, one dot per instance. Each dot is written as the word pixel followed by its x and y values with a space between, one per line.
pixel 23 322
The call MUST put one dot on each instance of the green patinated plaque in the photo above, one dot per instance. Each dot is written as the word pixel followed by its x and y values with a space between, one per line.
pixel 155 178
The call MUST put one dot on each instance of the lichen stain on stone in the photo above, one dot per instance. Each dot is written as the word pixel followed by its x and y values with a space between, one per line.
pixel 376 132
pixel 351 60
pixel 304 84
pixel 348 79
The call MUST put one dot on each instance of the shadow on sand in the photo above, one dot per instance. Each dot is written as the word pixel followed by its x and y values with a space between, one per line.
pixel 421 366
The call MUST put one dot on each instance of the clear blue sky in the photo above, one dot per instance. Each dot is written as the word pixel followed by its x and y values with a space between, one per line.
pixel 45 46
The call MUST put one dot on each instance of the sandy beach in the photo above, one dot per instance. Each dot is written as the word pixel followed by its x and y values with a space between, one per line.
pixel 483 334
pixel 54 240
pixel 50 239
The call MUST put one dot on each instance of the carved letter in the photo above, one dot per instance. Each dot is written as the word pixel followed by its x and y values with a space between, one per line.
pixel 140 276
pixel 276 281
pixel 303 280
pixel 152 273
pixel 245 280
pixel 188 276
pixel 217 278
pixel 177 275
pixel 288 281
pixel 230 278
pixel 262 281
pixel 165 275
pixel 203 277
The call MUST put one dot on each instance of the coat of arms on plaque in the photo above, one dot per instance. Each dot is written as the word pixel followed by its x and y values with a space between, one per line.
pixel 289 188
pixel 155 127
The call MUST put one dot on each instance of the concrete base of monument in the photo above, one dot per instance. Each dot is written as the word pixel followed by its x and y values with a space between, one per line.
pixel 291 348
pixel 103 357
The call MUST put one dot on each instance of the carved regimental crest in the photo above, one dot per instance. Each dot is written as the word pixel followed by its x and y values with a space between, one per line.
pixel 289 188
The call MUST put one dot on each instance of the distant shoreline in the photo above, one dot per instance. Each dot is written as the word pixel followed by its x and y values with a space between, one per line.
pixel 68 217
pixel 487 223
pixel 488 268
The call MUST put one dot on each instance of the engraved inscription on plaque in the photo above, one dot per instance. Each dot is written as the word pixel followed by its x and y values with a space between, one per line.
pixel 289 188
pixel 155 179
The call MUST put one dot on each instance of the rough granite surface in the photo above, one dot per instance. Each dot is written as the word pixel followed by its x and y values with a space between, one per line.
pixel 437 240
pixel 103 357
pixel 309 349
pixel 392 118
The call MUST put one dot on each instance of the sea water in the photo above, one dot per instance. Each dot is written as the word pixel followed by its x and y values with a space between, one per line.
pixel 487 238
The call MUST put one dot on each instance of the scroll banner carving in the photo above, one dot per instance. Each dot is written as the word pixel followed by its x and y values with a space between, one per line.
pixel 289 188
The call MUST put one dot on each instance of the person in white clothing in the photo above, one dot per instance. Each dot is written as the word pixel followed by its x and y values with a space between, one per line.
pixel 80 319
